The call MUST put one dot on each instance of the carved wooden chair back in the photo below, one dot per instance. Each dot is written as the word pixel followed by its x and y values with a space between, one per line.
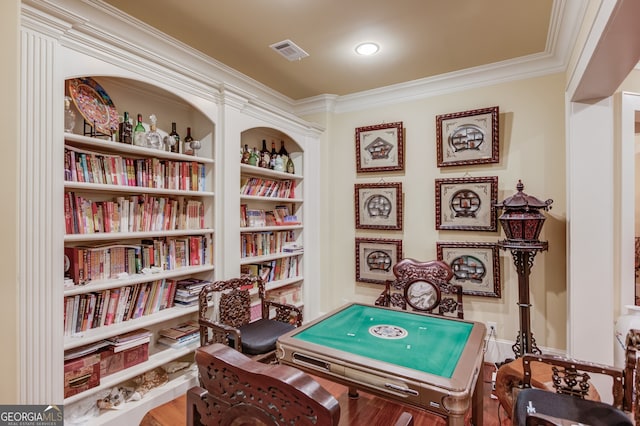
pixel 448 297
pixel 225 316
pixel 238 390
pixel 631 376
pixel 571 377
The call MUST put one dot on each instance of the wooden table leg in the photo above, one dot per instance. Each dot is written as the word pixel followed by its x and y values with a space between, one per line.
pixel 477 403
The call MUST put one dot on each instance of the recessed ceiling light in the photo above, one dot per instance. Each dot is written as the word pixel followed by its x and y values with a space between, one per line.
pixel 367 48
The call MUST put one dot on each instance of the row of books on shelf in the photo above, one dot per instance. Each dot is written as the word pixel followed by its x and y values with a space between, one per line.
pixel 87 311
pixel 116 261
pixel 264 243
pixel 261 187
pixel 83 312
pixel 92 167
pixel 279 216
pixel 274 270
pixel 135 213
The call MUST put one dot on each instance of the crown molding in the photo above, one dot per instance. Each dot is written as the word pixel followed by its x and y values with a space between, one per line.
pixel 106 29
pixel 566 17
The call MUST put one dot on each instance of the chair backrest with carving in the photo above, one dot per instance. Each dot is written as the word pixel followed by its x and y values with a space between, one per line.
pixel 571 377
pixel 631 376
pixel 438 273
pixel 238 390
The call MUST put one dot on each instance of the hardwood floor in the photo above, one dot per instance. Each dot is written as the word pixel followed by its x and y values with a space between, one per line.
pixel 367 410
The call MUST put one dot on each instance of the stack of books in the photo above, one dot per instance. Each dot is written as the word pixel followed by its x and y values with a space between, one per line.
pixel 180 335
pixel 129 340
pixel 187 292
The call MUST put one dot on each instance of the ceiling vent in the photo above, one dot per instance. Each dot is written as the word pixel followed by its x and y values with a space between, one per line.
pixel 289 50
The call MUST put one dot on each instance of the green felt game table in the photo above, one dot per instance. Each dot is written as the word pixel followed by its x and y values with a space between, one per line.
pixel 428 361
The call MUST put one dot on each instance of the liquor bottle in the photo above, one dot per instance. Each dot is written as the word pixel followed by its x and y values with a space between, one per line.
pixel 69 116
pixel 265 156
pixel 254 158
pixel 284 154
pixel 272 155
pixel 245 154
pixel 153 138
pixel 290 166
pixel 139 133
pixel 187 143
pixel 126 130
pixel 173 140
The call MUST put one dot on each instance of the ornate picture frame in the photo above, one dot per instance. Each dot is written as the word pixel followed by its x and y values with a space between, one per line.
pixel 466 203
pixel 468 137
pixel 380 148
pixel 378 205
pixel 375 258
pixel 475 265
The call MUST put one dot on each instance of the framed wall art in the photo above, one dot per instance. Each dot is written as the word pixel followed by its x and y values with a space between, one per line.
pixel 375 259
pixel 468 137
pixel 378 205
pixel 476 266
pixel 380 148
pixel 467 203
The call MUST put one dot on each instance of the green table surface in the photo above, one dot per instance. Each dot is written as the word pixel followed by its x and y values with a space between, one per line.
pixel 431 344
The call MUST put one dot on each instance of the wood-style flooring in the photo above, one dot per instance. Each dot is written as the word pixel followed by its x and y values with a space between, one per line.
pixel 367 410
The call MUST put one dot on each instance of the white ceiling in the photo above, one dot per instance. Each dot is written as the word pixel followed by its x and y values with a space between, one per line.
pixel 418 38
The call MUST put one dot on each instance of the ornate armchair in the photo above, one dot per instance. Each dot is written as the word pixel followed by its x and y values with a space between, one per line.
pixel 239 390
pixel 539 371
pixel 423 286
pixel 229 322
pixel 570 381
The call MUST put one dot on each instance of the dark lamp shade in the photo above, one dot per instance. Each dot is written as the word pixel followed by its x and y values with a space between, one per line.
pixel 522 225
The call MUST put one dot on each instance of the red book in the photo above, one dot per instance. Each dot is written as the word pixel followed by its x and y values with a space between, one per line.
pixel 113 305
pixel 194 251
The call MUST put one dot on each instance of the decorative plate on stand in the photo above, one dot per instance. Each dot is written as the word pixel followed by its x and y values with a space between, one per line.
pixel 94 104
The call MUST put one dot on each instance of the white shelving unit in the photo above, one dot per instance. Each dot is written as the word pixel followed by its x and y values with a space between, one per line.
pixel 159 354
pixel 147 72
pixel 294 203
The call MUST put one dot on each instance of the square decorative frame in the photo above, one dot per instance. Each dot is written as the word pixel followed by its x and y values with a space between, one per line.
pixel 380 148
pixel 378 205
pixel 468 137
pixel 467 203
pixel 375 258
pixel 476 266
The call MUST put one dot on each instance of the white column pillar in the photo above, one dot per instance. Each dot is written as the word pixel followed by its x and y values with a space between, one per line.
pixel 40 230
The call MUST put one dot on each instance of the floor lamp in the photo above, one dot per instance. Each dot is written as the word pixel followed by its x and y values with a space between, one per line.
pixel 522 222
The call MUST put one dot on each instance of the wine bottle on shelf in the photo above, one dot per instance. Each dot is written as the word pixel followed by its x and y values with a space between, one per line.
pixel 265 156
pixel 173 140
pixel 284 154
pixel 153 137
pixel 139 133
pixel 126 129
pixel 187 143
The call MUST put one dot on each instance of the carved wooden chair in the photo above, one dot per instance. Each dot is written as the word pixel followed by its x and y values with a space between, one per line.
pixel 423 286
pixel 513 376
pixel 225 317
pixel 570 397
pixel 239 390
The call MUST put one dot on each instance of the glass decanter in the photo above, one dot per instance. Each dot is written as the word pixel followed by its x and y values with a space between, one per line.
pixel 69 116
pixel 154 140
